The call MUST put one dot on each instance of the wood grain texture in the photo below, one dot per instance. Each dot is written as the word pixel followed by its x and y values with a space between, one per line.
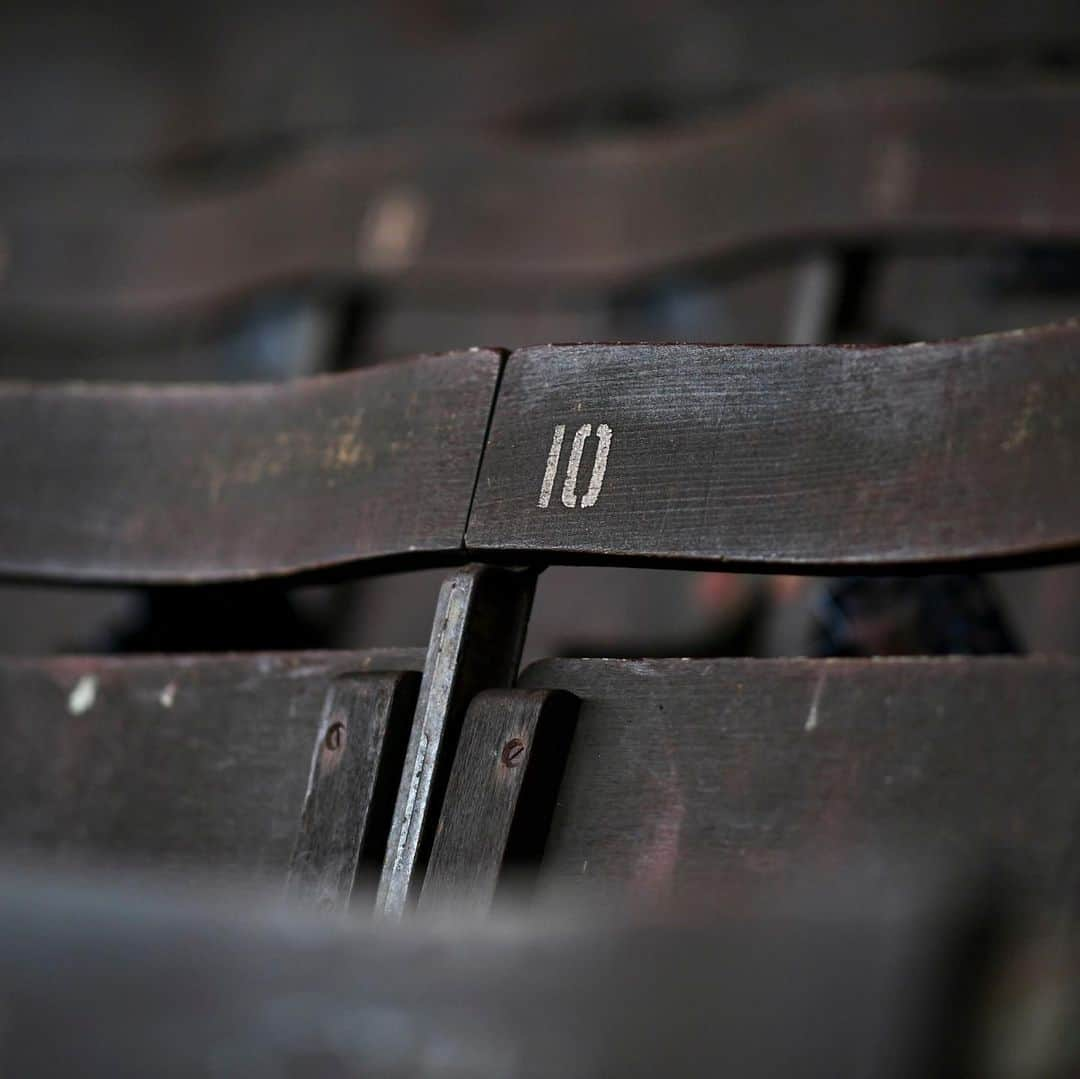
pixel 702 776
pixel 356 764
pixel 158 985
pixel 907 158
pixel 798 457
pixel 199 78
pixel 804 457
pixel 185 763
pixel 499 798
pixel 138 484
pixel 475 644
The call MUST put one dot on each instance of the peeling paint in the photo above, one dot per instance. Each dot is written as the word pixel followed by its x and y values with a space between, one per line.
pixel 81 698
pixel 812 717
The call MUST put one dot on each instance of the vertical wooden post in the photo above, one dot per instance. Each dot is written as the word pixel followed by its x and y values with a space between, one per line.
pixel 476 644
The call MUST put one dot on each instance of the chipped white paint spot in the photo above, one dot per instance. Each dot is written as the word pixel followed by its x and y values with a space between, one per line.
pixel 392 231
pixel 812 718
pixel 893 176
pixel 81 698
pixel 168 695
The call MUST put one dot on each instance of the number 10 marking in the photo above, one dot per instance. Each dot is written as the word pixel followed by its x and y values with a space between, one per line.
pixel 573 464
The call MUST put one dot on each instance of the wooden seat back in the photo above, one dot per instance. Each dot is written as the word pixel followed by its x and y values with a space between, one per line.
pixel 204 764
pixel 811 457
pixel 708 776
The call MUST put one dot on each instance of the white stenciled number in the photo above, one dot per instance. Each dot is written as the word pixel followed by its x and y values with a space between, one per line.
pixel 596 482
pixel 552 465
pixel 573 465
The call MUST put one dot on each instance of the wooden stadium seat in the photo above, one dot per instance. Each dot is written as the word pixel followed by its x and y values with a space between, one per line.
pixel 912 159
pixel 705 777
pixel 257 766
pixel 191 484
pixel 817 459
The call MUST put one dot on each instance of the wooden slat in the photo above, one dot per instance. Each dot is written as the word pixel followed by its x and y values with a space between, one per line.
pixel 906 158
pixel 805 457
pixel 706 775
pixel 197 79
pixel 797 457
pixel 139 484
pixel 356 764
pixel 475 644
pixel 180 762
pixel 500 795
pixel 107 984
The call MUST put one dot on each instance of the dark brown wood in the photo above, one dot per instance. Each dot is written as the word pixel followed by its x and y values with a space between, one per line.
pixel 355 769
pixel 186 763
pixel 199 483
pixel 798 457
pixel 786 302
pixel 883 981
pixel 803 457
pixel 500 795
pixel 476 642
pixel 195 79
pixel 906 159
pixel 699 777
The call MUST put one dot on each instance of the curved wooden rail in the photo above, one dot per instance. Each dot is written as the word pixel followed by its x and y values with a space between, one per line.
pixel 200 483
pixel 195 79
pixel 811 457
pixel 818 456
pixel 882 160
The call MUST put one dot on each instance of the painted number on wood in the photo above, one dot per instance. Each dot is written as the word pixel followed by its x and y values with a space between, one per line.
pixel 573 465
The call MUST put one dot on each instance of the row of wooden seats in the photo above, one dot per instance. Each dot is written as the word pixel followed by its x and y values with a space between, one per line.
pixel 437 773
pixel 459 216
pixel 682 774
pixel 196 82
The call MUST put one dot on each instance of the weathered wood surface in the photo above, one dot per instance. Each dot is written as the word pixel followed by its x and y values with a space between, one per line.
pixel 500 795
pixel 906 158
pixel 200 483
pixel 182 762
pixel 803 456
pixel 195 79
pixel 813 457
pixel 476 641
pixel 356 763
pixel 698 776
pixel 103 983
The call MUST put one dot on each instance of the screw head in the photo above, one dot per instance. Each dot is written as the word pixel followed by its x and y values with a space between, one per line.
pixel 513 753
pixel 335 736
